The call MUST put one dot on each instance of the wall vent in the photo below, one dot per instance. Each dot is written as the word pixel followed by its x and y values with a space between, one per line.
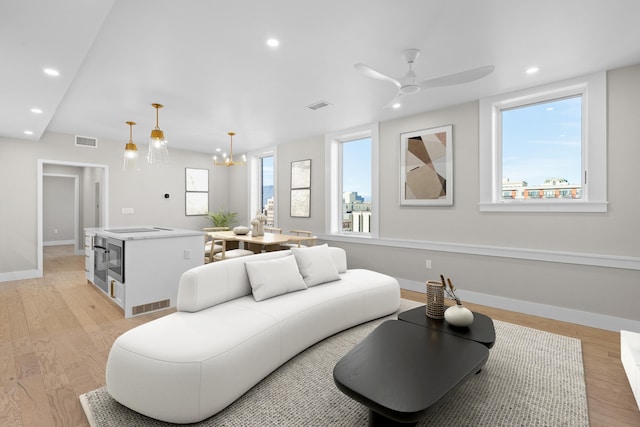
pixel 152 306
pixel 86 141
pixel 318 105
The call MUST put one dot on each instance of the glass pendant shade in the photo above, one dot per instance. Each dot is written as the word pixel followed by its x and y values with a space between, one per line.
pixel 158 152
pixel 130 163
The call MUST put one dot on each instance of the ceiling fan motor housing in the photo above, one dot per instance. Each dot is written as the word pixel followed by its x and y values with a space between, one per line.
pixel 410 55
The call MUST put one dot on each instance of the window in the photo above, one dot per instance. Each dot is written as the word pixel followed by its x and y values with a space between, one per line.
pixel 352 208
pixel 267 197
pixel 262 185
pixel 544 149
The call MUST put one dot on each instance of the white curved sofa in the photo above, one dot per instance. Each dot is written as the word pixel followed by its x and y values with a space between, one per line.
pixel 189 365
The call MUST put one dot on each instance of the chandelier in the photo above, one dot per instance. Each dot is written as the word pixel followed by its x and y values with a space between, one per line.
pixel 228 161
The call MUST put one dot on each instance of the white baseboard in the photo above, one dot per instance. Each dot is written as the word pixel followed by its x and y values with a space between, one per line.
pixel 584 318
pixel 20 275
pixel 59 242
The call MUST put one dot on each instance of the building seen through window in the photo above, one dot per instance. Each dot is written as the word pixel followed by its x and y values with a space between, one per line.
pixel 542 150
pixel 267 196
pixel 356 186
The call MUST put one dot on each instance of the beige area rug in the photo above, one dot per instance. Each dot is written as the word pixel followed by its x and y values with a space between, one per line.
pixel 532 378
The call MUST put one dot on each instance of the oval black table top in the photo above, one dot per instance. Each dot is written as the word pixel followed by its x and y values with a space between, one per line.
pixel 401 369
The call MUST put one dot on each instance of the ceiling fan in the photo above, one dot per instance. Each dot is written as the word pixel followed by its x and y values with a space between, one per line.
pixel 407 84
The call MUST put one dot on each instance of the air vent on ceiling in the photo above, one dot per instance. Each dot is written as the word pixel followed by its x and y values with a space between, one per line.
pixel 86 141
pixel 318 105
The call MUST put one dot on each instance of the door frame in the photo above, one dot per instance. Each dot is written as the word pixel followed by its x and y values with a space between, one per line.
pixel 105 201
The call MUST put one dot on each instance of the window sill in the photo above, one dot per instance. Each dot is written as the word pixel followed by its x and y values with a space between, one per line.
pixel 544 206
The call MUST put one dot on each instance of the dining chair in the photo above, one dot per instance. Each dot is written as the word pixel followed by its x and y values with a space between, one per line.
pixel 309 242
pixel 273 230
pixel 229 254
pixel 209 243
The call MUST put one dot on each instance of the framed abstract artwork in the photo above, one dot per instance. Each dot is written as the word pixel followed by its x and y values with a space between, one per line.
pixel 426 167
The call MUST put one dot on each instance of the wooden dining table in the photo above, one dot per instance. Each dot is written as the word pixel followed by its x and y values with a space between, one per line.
pixel 268 242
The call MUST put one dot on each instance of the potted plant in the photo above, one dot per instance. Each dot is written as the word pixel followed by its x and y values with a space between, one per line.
pixel 222 218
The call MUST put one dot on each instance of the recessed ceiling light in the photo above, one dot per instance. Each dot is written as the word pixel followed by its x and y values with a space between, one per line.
pixel 51 72
pixel 273 43
pixel 218 150
pixel 36 111
pixel 28 132
pixel 532 70
pixel 396 106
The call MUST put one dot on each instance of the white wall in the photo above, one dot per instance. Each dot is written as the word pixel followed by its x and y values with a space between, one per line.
pixel 575 264
pixel 312 148
pixel 143 191
pixel 59 217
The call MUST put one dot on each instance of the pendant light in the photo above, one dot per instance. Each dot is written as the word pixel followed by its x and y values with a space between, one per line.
pixel 158 153
pixel 228 161
pixel 130 153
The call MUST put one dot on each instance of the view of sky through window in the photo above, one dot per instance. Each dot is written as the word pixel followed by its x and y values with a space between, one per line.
pixel 267 180
pixel 543 141
pixel 356 174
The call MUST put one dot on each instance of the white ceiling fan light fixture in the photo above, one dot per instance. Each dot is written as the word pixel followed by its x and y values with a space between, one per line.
pixel 407 84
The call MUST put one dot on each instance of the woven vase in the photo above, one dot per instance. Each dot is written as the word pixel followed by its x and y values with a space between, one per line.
pixel 435 299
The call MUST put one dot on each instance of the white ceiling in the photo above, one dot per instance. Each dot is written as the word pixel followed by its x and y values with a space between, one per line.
pixel 208 62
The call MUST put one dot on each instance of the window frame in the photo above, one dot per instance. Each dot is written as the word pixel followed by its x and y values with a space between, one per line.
pixel 593 89
pixel 334 195
pixel 255 180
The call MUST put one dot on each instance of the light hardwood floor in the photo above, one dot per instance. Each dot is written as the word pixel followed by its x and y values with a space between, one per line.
pixel 56 332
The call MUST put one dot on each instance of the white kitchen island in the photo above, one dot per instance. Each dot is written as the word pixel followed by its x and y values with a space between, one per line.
pixel 144 264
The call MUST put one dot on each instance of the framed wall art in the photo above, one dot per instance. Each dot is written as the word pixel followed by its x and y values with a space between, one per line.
pixel 301 188
pixel 300 202
pixel 426 167
pixel 301 174
pixel 196 191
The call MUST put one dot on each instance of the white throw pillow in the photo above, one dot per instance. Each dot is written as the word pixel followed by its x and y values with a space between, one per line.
pixel 316 265
pixel 274 277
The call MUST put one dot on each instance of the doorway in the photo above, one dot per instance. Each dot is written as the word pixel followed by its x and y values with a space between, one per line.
pixel 92 200
pixel 60 209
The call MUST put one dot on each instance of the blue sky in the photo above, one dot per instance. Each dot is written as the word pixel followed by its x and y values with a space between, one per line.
pixel 357 177
pixel 543 141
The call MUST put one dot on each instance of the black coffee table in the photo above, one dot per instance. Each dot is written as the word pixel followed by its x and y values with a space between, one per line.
pixel 481 330
pixel 401 370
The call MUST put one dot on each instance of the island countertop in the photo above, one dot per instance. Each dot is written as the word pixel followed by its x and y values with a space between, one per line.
pixel 142 232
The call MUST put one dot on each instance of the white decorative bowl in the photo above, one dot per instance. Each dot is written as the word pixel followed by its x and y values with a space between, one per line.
pixel 241 229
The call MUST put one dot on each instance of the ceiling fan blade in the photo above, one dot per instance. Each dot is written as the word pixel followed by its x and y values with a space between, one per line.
pixel 370 72
pixel 458 78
